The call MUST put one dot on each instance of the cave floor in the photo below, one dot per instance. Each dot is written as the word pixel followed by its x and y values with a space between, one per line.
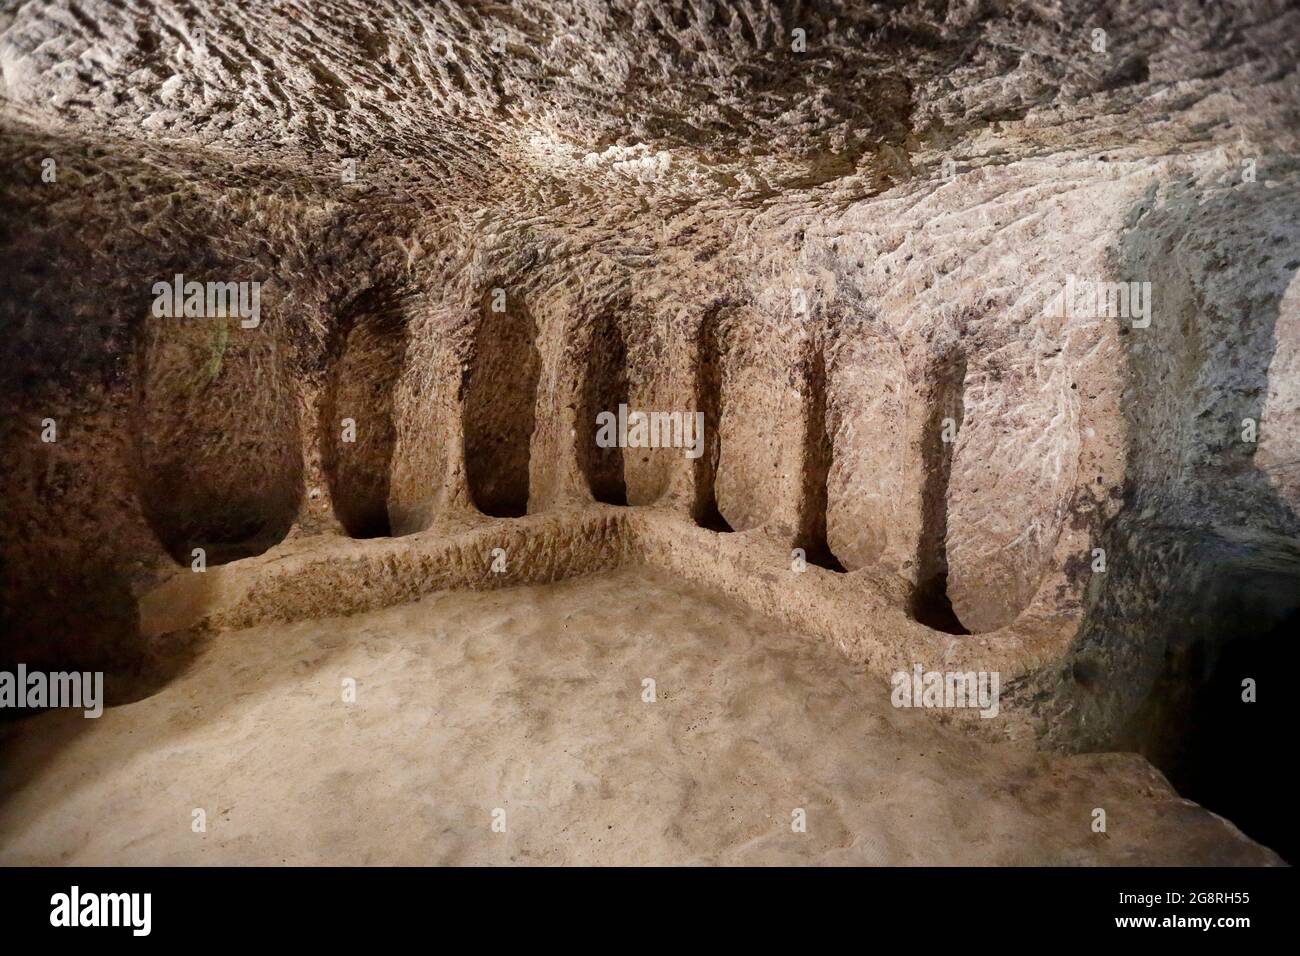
pixel 529 701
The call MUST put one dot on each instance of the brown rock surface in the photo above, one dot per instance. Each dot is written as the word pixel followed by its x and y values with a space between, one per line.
pixel 834 228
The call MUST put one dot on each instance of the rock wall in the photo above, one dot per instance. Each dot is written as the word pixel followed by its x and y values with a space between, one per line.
pixel 834 229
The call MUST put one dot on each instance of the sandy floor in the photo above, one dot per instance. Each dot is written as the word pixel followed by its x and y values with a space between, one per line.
pixel 530 701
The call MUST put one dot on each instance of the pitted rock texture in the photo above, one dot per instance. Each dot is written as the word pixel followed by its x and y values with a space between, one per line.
pixel 834 228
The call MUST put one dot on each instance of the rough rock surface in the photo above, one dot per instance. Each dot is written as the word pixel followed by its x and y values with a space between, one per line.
pixel 833 227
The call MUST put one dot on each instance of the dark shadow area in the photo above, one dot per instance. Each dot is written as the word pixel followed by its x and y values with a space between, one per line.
pixel 1227 756
pixel 83 620
pixel 930 603
pixel 932 607
pixel 1238 637
pixel 818 454
pixel 709 400
pixel 604 389
pixel 369 354
pixel 499 408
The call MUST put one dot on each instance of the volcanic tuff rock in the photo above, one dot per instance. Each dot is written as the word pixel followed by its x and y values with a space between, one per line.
pixel 832 226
